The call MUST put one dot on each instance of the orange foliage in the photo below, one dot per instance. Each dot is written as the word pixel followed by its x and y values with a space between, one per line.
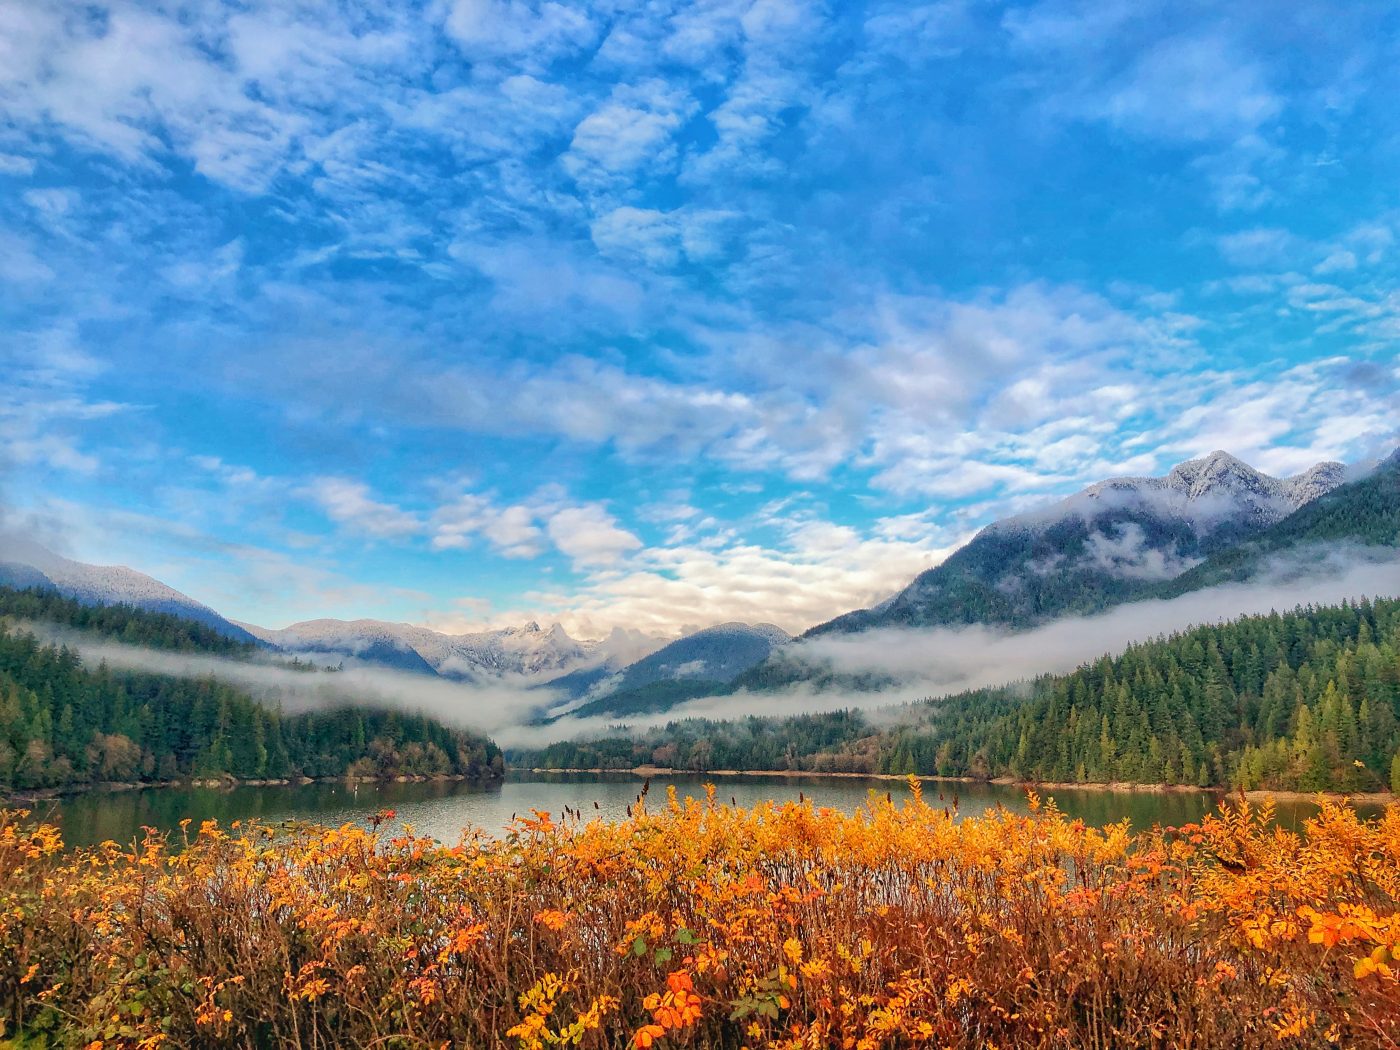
pixel 705 925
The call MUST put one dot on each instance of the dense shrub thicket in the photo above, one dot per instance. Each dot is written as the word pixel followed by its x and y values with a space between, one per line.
pixel 703 925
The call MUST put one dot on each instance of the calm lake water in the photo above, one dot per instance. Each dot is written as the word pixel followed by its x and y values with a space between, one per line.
pixel 444 809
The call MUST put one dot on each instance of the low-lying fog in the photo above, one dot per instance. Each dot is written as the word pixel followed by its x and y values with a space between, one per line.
pixel 927 662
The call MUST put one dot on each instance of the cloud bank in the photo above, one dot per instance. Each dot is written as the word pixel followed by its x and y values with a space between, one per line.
pixel 349 285
pixel 925 662
pixel 941 661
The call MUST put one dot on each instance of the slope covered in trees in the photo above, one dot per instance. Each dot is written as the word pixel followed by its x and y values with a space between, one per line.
pixel 1107 545
pixel 120 623
pixel 1017 577
pixel 62 723
pixel 1365 513
pixel 1308 700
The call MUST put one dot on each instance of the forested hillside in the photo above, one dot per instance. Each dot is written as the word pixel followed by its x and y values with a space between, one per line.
pixel 1364 513
pixel 1308 700
pixel 63 723
pixel 120 623
pixel 1017 576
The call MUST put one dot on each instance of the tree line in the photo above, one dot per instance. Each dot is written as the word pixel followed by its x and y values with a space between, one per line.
pixel 64 723
pixel 1307 700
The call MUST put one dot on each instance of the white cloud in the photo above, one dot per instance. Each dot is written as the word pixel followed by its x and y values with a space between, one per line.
pixel 1257 247
pixel 1282 422
pixel 1191 88
pixel 117 83
pixel 644 234
pixel 539 30
pixel 349 503
pixel 511 531
pixel 632 130
pixel 817 570
pixel 993 394
pixel 1339 261
pixel 1126 554
pixel 590 536
pixel 45 406
pixel 12 164
pixel 52 202
pixel 20 263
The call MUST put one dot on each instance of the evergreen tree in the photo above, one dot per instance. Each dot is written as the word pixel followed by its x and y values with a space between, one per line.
pixel 64 723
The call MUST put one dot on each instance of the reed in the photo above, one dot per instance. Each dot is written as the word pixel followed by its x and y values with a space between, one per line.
pixel 695 923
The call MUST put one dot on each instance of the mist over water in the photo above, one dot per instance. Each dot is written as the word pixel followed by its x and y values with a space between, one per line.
pixel 931 662
pixel 926 662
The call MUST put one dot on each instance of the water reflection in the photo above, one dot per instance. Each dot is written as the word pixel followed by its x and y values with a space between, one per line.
pixel 444 809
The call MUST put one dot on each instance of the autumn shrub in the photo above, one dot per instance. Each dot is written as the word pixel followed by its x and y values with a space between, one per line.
pixel 699 924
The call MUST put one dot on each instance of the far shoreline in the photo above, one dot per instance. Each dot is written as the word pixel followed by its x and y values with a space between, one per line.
pixel 115 787
pixel 643 772
pixel 1119 787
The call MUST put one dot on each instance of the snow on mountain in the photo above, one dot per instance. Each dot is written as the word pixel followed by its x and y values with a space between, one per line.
pixel 24 563
pixel 1099 546
pixel 529 651
pixel 1205 492
pixel 714 654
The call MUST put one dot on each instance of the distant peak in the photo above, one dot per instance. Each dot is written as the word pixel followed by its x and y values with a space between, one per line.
pixel 1216 467
pixel 1222 458
pixel 531 628
pixel 1331 466
pixel 1205 491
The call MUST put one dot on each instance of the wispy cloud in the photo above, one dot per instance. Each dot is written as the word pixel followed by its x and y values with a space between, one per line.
pixel 924 263
pixel 940 662
pixel 349 503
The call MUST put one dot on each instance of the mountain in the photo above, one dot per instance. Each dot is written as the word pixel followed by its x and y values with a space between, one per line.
pixel 1108 544
pixel 529 651
pixel 65 723
pixel 1364 513
pixel 1307 700
pixel 333 641
pixel 26 564
pixel 697 665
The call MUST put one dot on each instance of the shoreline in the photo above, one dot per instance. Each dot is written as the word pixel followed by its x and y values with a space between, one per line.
pixel 646 771
pixel 1118 787
pixel 114 787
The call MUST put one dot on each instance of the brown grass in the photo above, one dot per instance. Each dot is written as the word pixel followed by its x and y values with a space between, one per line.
pixel 699 924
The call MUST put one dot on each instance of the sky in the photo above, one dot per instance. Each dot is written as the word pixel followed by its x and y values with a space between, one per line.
pixel 658 315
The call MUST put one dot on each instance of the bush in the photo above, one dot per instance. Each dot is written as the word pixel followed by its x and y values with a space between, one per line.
pixel 711 926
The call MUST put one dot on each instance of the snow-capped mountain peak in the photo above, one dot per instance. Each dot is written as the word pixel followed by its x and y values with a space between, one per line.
pixel 1105 541
pixel 24 563
pixel 1206 492
pixel 526 651
pixel 1221 472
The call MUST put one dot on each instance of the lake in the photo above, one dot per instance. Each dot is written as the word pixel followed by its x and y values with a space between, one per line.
pixel 443 809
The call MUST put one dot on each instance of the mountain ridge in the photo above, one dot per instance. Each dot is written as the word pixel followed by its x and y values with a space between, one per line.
pixel 527 651
pixel 25 564
pixel 699 663
pixel 1099 545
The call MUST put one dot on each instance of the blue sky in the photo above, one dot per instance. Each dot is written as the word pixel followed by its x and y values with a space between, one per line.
pixel 664 314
